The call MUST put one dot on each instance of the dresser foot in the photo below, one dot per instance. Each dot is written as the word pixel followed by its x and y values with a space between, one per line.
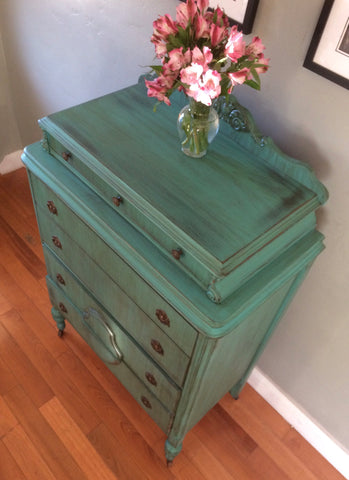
pixel 235 391
pixel 171 452
pixel 59 319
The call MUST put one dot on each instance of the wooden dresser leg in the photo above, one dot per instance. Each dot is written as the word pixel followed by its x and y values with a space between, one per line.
pixel 171 452
pixel 59 319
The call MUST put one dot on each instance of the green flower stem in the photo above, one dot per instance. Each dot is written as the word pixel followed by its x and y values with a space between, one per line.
pixel 195 127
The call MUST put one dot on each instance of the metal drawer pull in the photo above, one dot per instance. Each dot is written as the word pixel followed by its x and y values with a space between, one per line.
pixel 110 332
pixel 56 241
pixel 162 316
pixel 146 402
pixel 52 207
pixel 151 379
pixel 63 308
pixel 177 253
pixel 157 347
pixel 117 200
pixel 60 279
pixel 66 156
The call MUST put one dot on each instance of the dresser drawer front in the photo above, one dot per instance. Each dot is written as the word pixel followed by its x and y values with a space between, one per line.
pixel 167 318
pixel 88 324
pixel 124 206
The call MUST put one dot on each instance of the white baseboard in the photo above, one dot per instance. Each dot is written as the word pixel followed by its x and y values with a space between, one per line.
pixel 11 162
pixel 323 442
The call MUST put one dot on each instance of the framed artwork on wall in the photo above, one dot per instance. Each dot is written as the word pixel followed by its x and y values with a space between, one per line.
pixel 240 12
pixel 328 53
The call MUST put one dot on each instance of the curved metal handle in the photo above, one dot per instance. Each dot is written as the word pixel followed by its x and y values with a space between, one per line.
pixel 110 332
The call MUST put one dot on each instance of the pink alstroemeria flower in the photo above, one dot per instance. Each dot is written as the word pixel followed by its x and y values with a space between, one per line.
pixel 160 46
pixel 191 75
pixel 238 78
pixel 177 59
pixel 159 87
pixel 265 62
pixel 164 26
pixel 185 12
pixel 235 47
pixel 255 48
pixel 202 27
pixel 207 88
pixel 203 57
pixel 217 34
pixel 202 6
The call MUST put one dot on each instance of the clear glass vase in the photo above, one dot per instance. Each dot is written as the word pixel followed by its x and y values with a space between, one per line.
pixel 197 126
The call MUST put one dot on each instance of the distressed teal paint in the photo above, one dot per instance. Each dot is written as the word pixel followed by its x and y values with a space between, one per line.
pixel 124 197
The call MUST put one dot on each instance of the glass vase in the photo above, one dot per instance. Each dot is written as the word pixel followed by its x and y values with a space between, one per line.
pixel 197 126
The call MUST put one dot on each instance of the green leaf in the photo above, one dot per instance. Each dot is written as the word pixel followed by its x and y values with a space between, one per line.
pixel 253 84
pixel 157 68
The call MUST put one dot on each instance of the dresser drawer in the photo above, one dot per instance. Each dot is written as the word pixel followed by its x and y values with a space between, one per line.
pixel 124 204
pixel 57 217
pixel 152 339
pixel 93 334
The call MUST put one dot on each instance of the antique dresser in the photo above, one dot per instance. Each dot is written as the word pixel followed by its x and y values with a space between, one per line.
pixel 174 270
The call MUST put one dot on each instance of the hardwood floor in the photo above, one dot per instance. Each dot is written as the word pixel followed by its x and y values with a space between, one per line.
pixel 64 416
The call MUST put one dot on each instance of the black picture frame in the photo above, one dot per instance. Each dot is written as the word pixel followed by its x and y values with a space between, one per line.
pixel 343 33
pixel 248 15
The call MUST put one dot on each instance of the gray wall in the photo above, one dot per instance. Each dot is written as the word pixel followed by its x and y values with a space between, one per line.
pixel 62 53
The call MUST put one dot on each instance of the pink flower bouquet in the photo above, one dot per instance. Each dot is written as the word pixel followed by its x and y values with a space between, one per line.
pixel 201 55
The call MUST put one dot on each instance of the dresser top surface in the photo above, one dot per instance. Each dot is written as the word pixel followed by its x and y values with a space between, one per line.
pixel 223 202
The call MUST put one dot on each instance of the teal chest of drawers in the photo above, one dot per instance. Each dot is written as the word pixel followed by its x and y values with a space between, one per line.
pixel 176 271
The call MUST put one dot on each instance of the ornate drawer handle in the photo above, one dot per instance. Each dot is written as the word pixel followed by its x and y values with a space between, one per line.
pixel 66 156
pixel 177 253
pixel 110 332
pixel 56 241
pixel 117 200
pixel 157 347
pixel 63 308
pixel 162 316
pixel 146 402
pixel 52 207
pixel 151 379
pixel 60 279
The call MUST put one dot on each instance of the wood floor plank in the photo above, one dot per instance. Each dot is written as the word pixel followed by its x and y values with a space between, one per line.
pixel 5 305
pixel 115 455
pixel 307 454
pixel 53 375
pixel 22 368
pixel 32 303
pixel 42 436
pixel 265 466
pixel 26 456
pixel 256 403
pixel 110 413
pixel 267 441
pixel 225 449
pixel 7 378
pixel 75 441
pixel 18 219
pixel 206 462
pixel 9 470
pixel 16 186
pixel 12 245
pixel 7 420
